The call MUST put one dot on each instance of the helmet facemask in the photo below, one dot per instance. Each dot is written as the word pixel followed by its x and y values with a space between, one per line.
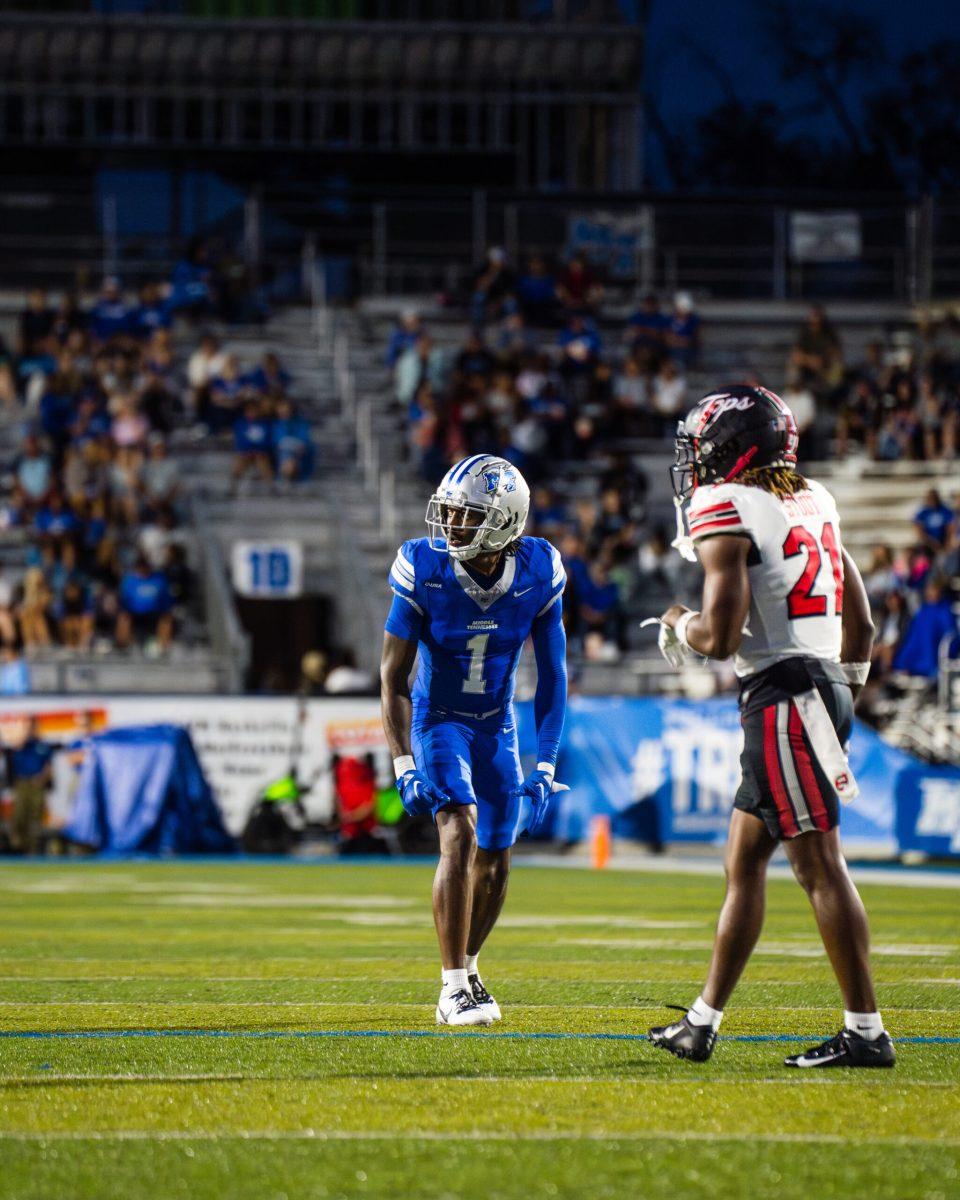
pixel 685 472
pixel 465 529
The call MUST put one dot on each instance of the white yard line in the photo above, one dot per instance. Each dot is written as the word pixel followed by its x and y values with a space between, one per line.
pixel 813 1079
pixel 381 1003
pixel 476 1135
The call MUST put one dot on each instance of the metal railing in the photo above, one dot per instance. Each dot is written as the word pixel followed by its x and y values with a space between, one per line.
pixel 228 639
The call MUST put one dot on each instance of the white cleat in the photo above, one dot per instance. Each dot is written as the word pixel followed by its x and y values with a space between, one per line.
pixel 482 998
pixel 460 1008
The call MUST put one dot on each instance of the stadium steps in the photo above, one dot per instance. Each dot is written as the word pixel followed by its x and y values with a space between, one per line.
pixel 877 501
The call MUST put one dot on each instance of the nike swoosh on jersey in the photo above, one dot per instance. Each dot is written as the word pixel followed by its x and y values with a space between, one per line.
pixel 524 592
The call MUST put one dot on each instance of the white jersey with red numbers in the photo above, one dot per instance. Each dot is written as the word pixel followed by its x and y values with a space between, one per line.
pixel 795 568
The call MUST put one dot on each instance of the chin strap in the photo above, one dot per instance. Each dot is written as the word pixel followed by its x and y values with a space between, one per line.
pixel 683 543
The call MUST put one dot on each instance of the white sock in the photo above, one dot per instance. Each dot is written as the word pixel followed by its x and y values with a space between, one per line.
pixel 472 964
pixel 700 1013
pixel 453 981
pixel 868 1025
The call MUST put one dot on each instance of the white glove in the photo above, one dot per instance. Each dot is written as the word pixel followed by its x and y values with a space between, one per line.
pixel 672 649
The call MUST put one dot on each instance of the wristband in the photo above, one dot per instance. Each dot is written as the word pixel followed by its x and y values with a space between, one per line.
pixel 402 764
pixel 547 768
pixel 856 673
pixel 680 629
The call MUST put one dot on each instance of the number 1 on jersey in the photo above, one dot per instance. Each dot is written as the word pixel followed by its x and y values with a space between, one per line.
pixel 475 684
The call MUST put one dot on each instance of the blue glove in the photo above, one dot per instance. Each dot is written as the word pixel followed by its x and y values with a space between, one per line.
pixel 538 787
pixel 418 795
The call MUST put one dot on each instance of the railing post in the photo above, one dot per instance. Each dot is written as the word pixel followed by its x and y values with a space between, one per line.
pixel 379 249
pixel 779 276
pixel 110 248
pixel 251 235
pixel 648 249
pixel 479 224
pixel 388 507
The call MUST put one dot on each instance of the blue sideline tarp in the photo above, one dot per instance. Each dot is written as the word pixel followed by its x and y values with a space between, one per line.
pixel 142 791
pixel 670 769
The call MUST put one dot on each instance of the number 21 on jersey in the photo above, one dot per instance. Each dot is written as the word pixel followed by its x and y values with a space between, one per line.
pixel 803 600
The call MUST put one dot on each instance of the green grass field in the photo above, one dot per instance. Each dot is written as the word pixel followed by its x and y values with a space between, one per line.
pixel 258 1032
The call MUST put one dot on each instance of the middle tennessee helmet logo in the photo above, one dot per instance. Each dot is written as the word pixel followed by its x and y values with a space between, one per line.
pixel 492 480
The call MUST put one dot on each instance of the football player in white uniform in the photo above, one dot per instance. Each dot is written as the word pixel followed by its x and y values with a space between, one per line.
pixel 782 595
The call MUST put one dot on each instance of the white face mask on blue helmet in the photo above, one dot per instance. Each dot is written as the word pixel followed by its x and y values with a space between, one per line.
pixel 480 506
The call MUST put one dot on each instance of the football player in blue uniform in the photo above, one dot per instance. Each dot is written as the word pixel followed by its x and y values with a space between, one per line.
pixel 467 597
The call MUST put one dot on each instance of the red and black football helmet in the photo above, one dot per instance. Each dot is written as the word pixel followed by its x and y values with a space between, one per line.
pixel 734 429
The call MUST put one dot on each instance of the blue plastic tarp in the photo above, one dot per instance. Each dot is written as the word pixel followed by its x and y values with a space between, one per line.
pixel 142 791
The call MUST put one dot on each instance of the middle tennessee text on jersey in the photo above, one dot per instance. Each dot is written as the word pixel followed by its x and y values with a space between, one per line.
pixel 471 636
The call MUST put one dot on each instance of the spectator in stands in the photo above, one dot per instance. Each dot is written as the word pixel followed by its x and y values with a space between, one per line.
pixel 31 772
pixel 74 614
pixel 474 359
pixel 802 403
pixel 203 367
pixel 515 341
pixel 268 378
pixel 817 356
pixel 192 289
pixel 932 521
pixel 681 335
pixel 129 426
pixel 292 444
pixel 57 529
pixel 647 326
pixel 578 287
pixel 252 441
pixel 629 414
pixel 492 287
pixel 225 396
pixel 8 380
pixel 891 622
pixel 34 473
pixel 14 672
pixel 421 363
pixel 595 607
pixel 581 346
pixel 8 625
pixel 145 606
pixel 668 397
pixel 69 321
pixel 933 627
pixel 160 476
pixel 35 326
pixel 881 576
pixel 110 318
pixel 33 611
pixel 151 314
pixel 537 292
pixel 405 336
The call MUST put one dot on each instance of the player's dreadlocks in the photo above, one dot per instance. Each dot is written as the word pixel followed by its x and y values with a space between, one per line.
pixel 780 481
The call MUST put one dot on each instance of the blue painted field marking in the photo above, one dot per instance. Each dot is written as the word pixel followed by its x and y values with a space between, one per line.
pixel 278 1034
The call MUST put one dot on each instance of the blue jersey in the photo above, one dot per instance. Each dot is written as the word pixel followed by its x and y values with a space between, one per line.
pixel 470 637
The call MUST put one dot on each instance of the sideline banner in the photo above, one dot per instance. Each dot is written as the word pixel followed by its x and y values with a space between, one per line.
pixel 243 742
pixel 670 768
pixel 664 768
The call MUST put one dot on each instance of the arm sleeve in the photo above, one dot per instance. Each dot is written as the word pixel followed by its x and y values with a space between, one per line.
pixel 550 648
pixel 405 619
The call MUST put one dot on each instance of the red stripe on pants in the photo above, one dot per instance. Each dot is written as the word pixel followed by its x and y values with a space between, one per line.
pixel 771 757
pixel 804 765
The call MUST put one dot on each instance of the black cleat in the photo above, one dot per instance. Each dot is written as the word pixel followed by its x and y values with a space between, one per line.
pixel 482 998
pixel 684 1040
pixel 847 1049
